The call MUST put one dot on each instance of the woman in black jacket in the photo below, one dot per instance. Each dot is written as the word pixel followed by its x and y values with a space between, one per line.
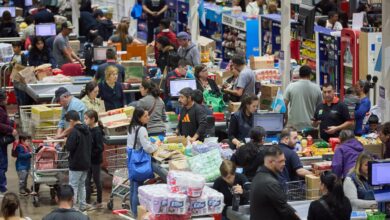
pixel 202 80
pixel 167 55
pixel 39 53
pixel 7 26
pixel 91 119
pixel 333 204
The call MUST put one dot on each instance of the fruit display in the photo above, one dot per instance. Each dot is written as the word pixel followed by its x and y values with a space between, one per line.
pixel 367 141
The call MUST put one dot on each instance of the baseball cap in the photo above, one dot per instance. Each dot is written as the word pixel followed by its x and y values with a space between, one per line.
pixel 183 36
pixel 59 92
pixel 67 24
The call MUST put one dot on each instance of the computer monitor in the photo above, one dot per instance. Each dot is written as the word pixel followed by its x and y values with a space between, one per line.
pixel 99 53
pixel 378 172
pixel 12 10
pixel 179 84
pixel 271 122
pixel 44 30
pixel 28 3
pixel 306 19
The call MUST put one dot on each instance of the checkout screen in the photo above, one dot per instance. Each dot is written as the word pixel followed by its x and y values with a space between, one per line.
pixel 380 173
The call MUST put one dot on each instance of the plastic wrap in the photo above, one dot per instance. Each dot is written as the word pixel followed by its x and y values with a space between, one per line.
pixel 206 164
pixel 204 148
pixel 211 202
pixel 185 183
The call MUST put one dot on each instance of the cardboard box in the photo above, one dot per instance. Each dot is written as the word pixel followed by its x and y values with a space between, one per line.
pixel 264 62
pixel 40 112
pixel 75 45
pixel 206 44
pixel 134 71
pixel 326 165
pixel 376 149
pixel 221 77
pixel 142 212
pixel 269 90
pixel 178 165
pixel 176 139
pixel 234 106
pixel 312 182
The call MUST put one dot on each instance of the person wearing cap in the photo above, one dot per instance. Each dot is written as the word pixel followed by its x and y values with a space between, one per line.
pixel 68 102
pixel 167 54
pixel 105 27
pixel 62 51
pixel 7 132
pixel 155 10
pixel 192 121
pixel 188 50
pixel 43 15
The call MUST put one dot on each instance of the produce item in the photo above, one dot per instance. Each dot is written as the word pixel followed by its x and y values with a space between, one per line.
pixel 185 183
pixel 321 144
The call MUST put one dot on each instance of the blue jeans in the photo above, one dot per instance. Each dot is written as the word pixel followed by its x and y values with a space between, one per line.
pixel 77 181
pixel 134 201
pixel 3 168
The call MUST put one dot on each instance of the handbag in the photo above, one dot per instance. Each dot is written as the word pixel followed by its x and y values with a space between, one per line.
pixel 139 162
pixel 136 12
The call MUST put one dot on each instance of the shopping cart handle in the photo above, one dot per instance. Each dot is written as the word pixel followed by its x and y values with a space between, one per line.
pixel 37 141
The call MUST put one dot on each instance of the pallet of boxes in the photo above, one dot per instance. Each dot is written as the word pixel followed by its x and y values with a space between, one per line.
pixel 313 181
pixel 40 121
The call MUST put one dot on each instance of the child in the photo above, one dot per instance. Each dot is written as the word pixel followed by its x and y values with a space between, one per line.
pixel 23 162
pixel 372 125
pixel 19 57
pixel 91 119
pixel 351 100
pixel 79 144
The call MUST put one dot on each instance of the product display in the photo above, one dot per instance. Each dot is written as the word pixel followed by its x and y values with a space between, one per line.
pixel 186 183
pixel 206 164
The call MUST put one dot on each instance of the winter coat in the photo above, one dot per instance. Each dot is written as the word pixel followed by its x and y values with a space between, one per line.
pixel 79 145
pixel 23 161
pixel 345 157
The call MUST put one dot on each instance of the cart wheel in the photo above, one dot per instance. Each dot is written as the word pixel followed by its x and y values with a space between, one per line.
pixel 125 206
pixel 35 201
pixel 110 205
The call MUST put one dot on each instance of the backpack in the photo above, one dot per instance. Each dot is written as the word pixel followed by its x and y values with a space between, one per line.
pixel 14 152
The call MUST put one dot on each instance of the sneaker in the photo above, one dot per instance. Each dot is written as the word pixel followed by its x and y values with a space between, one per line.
pixel 98 205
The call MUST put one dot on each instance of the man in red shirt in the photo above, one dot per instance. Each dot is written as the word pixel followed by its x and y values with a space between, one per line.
pixel 165 31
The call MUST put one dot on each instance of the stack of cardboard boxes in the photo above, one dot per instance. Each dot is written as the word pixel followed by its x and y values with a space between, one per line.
pixel 268 93
pixel 312 187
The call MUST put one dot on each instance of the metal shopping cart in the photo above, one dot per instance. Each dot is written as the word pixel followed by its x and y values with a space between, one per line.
pixel 297 191
pixel 49 166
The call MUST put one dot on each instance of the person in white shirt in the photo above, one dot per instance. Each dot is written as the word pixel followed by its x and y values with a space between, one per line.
pixel 333 21
pixel 258 7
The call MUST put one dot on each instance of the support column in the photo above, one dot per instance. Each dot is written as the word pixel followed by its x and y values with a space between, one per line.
pixel 384 77
pixel 285 32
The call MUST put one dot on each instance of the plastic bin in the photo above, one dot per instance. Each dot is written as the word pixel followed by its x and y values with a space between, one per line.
pixel 219 116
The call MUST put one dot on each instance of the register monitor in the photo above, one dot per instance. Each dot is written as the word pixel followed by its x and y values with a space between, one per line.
pixel 179 84
pixel 44 30
pixel 378 172
pixel 12 10
pixel 271 122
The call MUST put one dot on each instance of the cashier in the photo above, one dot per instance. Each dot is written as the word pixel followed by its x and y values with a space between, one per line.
pixel 110 90
pixel 332 115
pixel 241 121
pixel 68 102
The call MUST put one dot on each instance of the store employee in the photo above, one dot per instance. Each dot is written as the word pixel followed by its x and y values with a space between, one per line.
pixel 332 115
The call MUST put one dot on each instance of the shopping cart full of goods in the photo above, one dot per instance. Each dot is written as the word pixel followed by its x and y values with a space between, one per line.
pixel 49 166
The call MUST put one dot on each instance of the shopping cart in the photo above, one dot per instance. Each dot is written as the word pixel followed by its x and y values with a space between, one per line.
pixel 116 159
pixel 297 191
pixel 49 166
pixel 120 188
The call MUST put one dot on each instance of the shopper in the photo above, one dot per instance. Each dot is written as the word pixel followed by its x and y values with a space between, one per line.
pixel 91 119
pixel 356 186
pixel 293 169
pixel 246 80
pixel 110 90
pixel 104 27
pixel 62 51
pixel 138 136
pixel 231 184
pixel 165 31
pixel 333 204
pixel 268 200
pixel 8 26
pixel 332 115
pixel 384 135
pixel 251 155
pixel 258 7
pixel 89 97
pixel 9 205
pixel 23 162
pixel 155 10
pixel 29 31
pixel 241 121
pixel 301 98
pixel 39 53
pixel 18 57
pixel 231 84
pixel 7 134
pixel 79 146
pixel 111 61
pixel 155 106
pixel 362 90
pixel 199 99
pixel 188 50
pixel 203 82
pixel 65 210
pixel 68 103
pixel 192 121
pixel 351 100
pixel 333 21
pixel 167 59
pixel 326 6
pixel 122 36
pixel 372 125
pixel 346 153
pixel 43 15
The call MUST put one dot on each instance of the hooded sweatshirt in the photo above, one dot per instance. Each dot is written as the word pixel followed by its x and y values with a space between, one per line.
pixel 345 157
pixel 97 145
pixel 79 145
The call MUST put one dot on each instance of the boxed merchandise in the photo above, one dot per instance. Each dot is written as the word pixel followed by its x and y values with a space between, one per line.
pixel 312 186
pixel 115 124
pixel 75 45
pixel 222 76
pixel 264 62
pixel 41 112
pixel 211 202
pixel 206 164
pixel 186 183
pixel 325 165
pixel 376 149
pixel 206 44
pixel 178 165
pixel 201 148
pixel 269 90
pixel 176 139
pixel 234 106
pixel 267 74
